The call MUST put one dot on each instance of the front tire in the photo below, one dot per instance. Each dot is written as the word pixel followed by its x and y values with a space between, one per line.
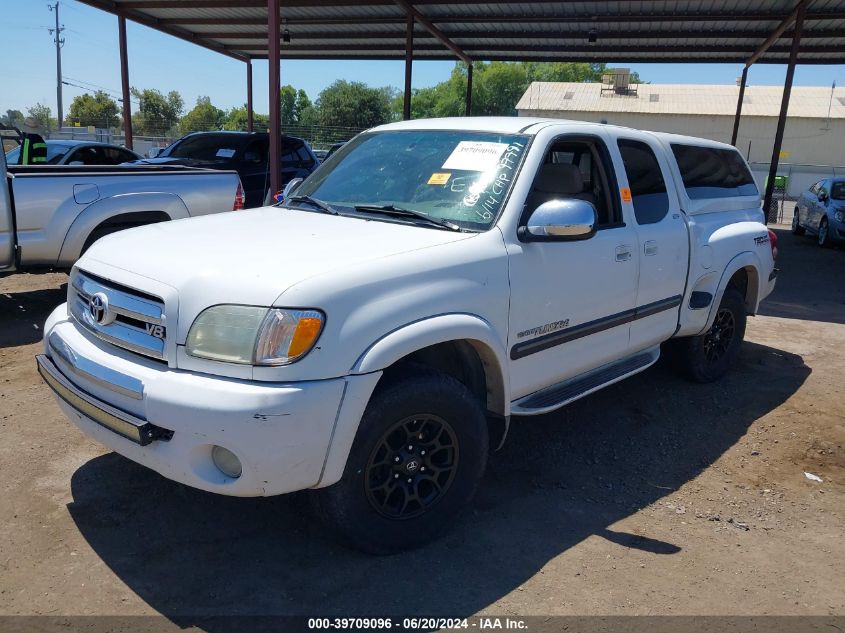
pixel 824 233
pixel 708 357
pixel 417 460
pixel 797 229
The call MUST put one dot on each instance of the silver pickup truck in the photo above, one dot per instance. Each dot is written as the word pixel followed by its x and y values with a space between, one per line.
pixel 49 215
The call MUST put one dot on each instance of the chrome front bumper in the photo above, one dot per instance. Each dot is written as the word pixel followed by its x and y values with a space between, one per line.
pixel 133 428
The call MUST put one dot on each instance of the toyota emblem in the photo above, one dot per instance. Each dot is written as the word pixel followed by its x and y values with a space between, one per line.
pixel 98 309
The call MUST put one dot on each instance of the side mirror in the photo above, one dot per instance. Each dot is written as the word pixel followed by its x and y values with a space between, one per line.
pixel 153 152
pixel 562 220
pixel 822 196
pixel 292 185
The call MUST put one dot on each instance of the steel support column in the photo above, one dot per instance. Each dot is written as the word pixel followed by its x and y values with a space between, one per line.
pixel 739 105
pixel 784 107
pixel 468 101
pixel 275 122
pixel 124 82
pixel 249 115
pixel 409 62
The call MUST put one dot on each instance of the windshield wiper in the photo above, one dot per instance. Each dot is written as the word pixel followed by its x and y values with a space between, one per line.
pixel 323 206
pixel 392 209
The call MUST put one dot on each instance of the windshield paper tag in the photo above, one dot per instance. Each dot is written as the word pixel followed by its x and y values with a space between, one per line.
pixel 475 156
pixel 439 178
pixel 225 153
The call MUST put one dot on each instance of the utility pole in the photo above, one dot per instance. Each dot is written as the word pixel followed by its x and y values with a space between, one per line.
pixel 59 41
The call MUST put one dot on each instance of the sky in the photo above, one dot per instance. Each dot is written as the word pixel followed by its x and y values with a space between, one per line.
pixel 90 59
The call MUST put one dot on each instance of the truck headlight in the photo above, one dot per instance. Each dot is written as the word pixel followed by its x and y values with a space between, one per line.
pixel 251 335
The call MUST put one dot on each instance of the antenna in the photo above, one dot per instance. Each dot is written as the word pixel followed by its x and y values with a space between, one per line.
pixel 59 41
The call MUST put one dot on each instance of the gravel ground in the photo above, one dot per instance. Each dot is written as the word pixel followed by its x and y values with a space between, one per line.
pixel 654 496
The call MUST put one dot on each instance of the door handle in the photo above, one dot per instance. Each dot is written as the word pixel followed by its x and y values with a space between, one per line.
pixel 623 253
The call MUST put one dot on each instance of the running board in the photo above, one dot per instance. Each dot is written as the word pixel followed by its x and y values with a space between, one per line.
pixel 563 393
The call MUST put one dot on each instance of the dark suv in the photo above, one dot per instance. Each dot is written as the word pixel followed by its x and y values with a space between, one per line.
pixel 245 152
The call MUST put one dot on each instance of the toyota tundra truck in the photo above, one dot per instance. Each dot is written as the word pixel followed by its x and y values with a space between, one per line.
pixel 373 335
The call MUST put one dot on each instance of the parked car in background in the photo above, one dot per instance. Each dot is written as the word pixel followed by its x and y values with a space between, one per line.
pixel 372 337
pixel 50 215
pixel 334 148
pixel 73 152
pixel 821 211
pixel 245 152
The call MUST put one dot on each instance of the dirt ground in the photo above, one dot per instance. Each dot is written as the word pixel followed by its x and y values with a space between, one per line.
pixel 654 496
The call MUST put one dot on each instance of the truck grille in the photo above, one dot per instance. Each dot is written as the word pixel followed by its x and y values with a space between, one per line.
pixel 124 317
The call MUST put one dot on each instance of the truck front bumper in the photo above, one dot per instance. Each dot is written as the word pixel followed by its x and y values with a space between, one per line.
pixel 171 420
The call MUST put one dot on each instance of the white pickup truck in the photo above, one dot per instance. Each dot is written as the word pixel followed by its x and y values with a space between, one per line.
pixel 373 336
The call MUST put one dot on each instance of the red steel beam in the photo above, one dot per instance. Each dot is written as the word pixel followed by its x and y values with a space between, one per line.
pixel 124 82
pixel 409 63
pixel 779 32
pixel 275 122
pixel 249 115
pixel 436 32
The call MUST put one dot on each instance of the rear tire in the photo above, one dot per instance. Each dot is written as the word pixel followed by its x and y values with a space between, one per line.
pixel 824 233
pixel 797 229
pixel 417 460
pixel 708 357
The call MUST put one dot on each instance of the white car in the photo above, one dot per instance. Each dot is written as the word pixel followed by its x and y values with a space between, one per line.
pixel 374 336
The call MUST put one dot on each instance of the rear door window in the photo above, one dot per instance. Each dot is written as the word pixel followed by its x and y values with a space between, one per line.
pixel 713 172
pixel 645 179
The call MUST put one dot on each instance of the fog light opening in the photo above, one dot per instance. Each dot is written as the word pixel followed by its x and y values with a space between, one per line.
pixel 226 461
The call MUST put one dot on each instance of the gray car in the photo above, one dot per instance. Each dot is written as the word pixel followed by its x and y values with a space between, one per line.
pixel 74 152
pixel 821 211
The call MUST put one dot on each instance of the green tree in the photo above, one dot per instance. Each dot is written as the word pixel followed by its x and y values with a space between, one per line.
pixel 203 117
pixel 293 103
pixel 353 104
pixel 99 110
pixel 237 120
pixel 13 118
pixel 39 117
pixel 157 114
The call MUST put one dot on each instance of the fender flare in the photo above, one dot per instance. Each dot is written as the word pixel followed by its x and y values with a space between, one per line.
pixel 98 212
pixel 445 328
pixel 749 261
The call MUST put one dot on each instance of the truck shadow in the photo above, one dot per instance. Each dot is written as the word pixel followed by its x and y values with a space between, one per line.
pixel 560 479
pixel 22 314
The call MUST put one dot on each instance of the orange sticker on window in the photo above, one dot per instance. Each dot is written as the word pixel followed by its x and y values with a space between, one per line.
pixel 439 178
pixel 626 194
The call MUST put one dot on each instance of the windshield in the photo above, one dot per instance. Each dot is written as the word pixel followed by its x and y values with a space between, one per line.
pixel 461 177
pixel 55 153
pixel 214 147
pixel 837 190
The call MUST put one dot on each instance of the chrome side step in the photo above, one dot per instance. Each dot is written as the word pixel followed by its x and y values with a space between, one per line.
pixel 563 393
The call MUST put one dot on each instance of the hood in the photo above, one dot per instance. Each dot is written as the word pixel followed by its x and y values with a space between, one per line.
pixel 188 162
pixel 252 257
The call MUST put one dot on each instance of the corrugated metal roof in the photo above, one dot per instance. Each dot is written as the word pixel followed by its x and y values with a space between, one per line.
pixel 625 30
pixel 807 102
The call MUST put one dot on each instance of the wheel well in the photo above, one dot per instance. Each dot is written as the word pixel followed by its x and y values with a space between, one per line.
pixel 470 363
pixel 745 281
pixel 124 221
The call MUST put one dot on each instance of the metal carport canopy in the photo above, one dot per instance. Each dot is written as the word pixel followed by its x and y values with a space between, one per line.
pixel 696 31
pixel 630 31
